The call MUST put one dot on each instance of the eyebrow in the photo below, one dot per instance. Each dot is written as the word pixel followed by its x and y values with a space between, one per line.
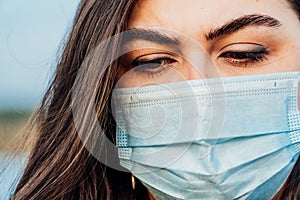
pixel 149 35
pixel 241 23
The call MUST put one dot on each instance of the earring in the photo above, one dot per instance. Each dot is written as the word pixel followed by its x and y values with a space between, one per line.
pixel 133 182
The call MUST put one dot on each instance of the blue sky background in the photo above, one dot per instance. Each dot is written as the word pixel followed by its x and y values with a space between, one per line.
pixel 30 34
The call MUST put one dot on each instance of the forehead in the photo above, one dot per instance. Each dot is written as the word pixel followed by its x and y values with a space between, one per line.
pixel 193 15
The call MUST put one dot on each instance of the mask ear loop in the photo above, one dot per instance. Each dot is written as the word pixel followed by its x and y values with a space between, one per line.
pixel 132 182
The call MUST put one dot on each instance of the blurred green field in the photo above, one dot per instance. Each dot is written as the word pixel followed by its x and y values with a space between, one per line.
pixel 11 123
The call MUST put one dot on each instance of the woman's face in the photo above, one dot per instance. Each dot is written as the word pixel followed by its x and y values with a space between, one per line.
pixel 192 39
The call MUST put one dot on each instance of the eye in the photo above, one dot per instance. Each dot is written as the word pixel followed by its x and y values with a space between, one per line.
pixel 244 55
pixel 153 64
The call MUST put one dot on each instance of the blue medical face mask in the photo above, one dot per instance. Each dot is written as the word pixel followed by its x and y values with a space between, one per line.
pixel 229 138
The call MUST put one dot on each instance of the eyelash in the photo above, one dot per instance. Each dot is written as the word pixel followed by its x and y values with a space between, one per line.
pixel 243 59
pixel 152 66
pixel 155 66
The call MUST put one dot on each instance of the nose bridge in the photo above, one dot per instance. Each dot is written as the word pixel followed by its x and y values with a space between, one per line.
pixel 200 65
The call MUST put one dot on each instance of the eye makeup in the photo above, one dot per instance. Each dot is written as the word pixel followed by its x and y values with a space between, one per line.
pixel 239 56
pixel 153 64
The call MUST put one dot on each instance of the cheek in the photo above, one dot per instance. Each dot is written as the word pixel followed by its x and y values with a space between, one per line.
pixel 291 59
pixel 286 58
pixel 297 57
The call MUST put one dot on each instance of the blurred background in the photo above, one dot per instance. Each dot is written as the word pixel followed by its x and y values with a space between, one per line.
pixel 31 34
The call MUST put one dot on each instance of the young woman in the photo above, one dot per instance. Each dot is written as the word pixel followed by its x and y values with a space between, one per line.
pixel 171 45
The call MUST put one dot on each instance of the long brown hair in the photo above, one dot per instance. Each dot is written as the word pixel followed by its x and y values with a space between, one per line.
pixel 59 166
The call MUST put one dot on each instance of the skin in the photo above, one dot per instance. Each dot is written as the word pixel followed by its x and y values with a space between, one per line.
pixel 190 21
pixel 198 57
